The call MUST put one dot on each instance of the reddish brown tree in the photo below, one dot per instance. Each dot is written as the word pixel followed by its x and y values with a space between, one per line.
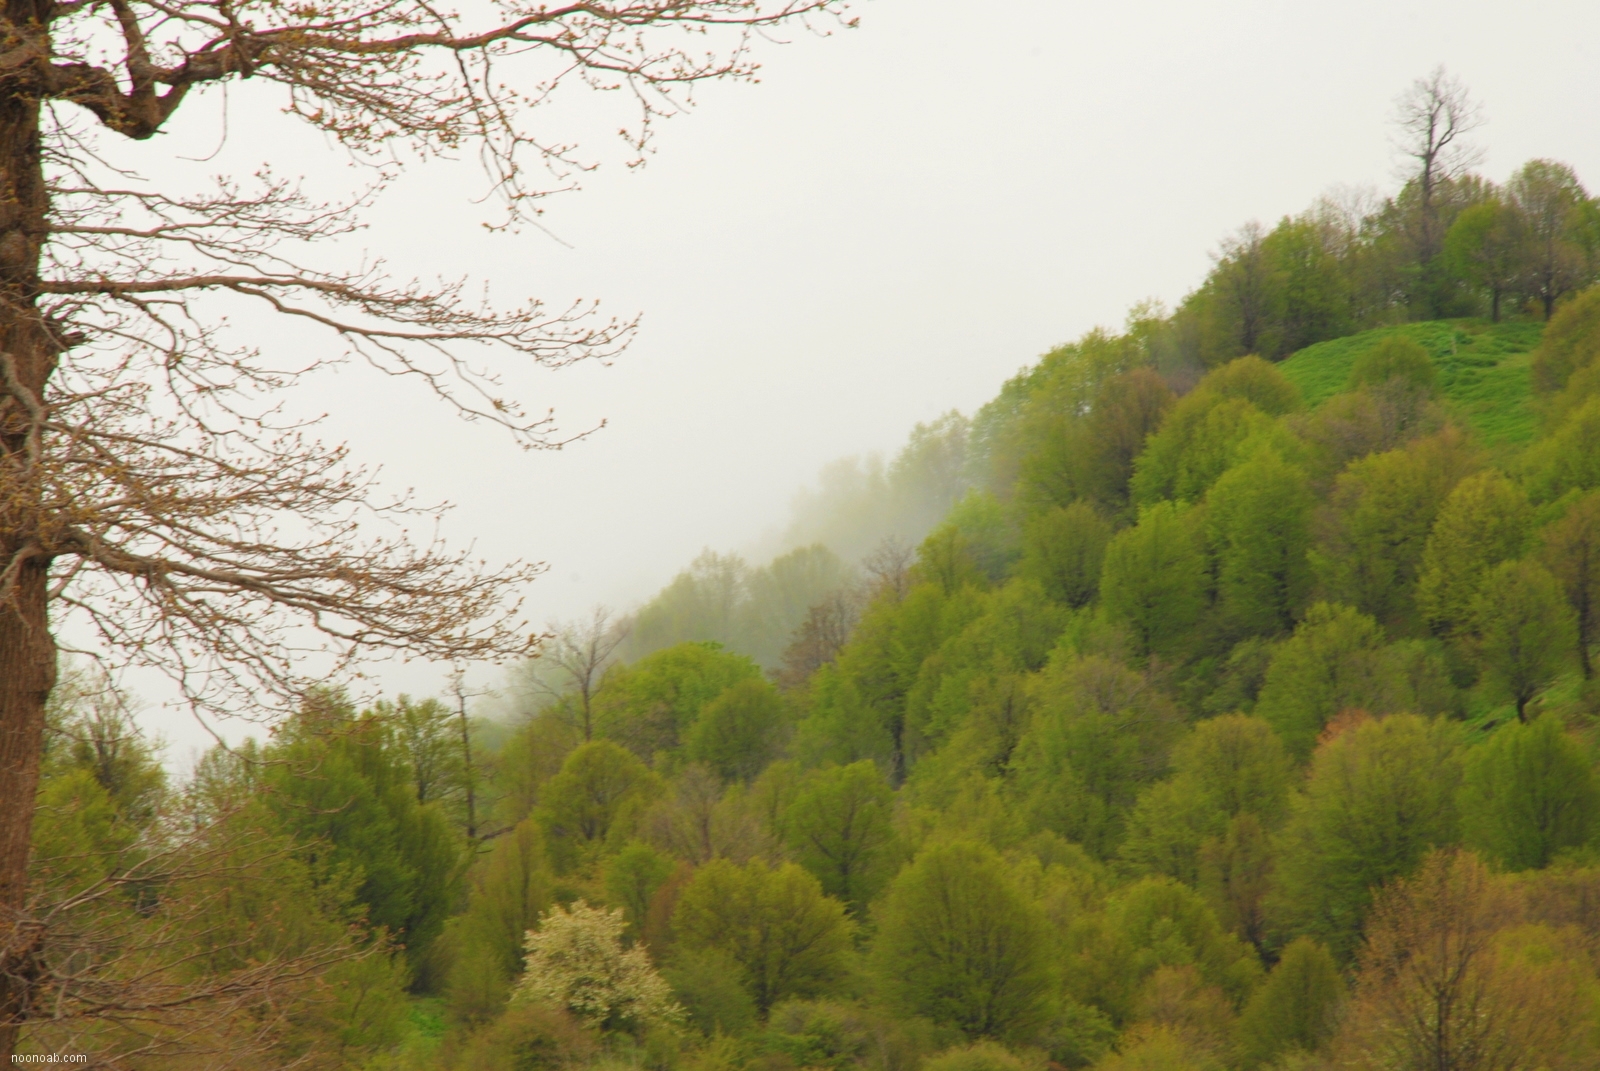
pixel 1446 982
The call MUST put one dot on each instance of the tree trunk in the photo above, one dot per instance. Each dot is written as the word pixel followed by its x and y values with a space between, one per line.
pixel 1584 605
pixel 468 771
pixel 897 748
pixel 27 650
pixel 27 672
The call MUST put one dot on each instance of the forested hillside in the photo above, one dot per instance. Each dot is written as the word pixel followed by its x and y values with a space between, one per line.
pixel 1220 696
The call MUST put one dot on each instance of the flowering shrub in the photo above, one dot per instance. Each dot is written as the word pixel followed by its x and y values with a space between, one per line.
pixel 576 961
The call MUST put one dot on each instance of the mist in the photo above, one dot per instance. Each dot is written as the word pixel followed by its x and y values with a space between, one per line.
pixel 878 233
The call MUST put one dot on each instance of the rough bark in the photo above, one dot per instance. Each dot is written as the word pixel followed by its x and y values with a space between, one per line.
pixel 27 672
pixel 27 651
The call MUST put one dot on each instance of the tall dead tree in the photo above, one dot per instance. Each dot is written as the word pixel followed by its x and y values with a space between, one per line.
pixel 1433 118
pixel 571 665
pixel 148 485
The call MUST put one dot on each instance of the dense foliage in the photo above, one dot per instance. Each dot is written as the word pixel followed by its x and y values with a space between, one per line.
pixel 1235 710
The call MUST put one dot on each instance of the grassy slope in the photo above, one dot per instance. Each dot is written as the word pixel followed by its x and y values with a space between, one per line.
pixel 1483 369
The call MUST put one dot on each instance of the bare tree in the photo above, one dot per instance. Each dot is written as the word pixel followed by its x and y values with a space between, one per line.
pixel 819 637
pixel 1433 118
pixel 888 568
pixel 150 482
pixel 571 663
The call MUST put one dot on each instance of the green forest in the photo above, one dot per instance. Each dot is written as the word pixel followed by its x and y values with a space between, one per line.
pixel 1219 696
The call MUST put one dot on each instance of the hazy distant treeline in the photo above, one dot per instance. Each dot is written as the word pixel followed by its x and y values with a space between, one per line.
pixel 858 505
pixel 1468 247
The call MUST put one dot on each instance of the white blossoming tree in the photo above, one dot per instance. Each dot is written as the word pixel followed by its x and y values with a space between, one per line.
pixel 576 960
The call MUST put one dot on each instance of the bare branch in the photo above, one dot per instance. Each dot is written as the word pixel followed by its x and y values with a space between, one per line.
pixel 157 491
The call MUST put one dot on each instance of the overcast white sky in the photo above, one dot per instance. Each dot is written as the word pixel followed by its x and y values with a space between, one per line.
pixel 886 227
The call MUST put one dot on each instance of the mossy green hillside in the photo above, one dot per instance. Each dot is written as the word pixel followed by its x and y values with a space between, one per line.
pixel 1483 370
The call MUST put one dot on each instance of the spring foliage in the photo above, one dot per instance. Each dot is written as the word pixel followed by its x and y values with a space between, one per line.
pixel 1233 709
pixel 575 960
